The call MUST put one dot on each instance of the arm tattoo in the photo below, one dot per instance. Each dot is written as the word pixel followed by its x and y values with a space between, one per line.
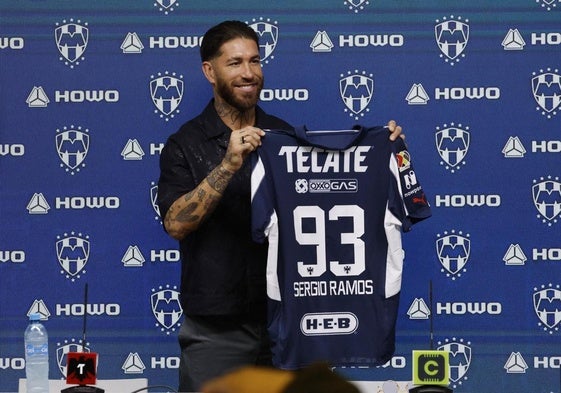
pixel 186 214
pixel 219 178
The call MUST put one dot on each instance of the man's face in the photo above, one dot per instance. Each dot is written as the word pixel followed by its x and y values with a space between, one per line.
pixel 238 77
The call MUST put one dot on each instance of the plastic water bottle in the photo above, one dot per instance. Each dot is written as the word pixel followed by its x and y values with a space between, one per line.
pixel 36 356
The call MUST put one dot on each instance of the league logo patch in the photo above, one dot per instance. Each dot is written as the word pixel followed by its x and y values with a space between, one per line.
pixel 72 253
pixel 547 306
pixel 72 145
pixel 453 252
pixel 460 359
pixel 356 92
pixel 546 88
pixel 72 40
pixel 166 6
pixel 452 144
pixel 452 38
pixel 268 37
pixel 166 308
pixel 546 194
pixel 167 92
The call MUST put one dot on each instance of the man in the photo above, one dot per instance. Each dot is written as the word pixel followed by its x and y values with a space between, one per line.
pixel 204 198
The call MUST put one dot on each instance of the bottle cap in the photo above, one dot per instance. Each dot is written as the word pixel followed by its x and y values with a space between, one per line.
pixel 35 316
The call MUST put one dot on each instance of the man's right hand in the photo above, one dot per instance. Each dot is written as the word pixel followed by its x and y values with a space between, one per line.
pixel 242 143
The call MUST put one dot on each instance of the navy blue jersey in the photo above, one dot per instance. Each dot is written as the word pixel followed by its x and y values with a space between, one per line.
pixel 332 205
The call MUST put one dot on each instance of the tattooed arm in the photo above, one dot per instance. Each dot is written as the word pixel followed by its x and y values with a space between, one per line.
pixel 190 210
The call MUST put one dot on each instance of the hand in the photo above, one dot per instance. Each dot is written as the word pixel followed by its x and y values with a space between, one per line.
pixel 242 142
pixel 395 130
pixel 250 380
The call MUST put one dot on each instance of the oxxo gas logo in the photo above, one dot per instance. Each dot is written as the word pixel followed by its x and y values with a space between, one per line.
pixel 71 39
pixel 323 324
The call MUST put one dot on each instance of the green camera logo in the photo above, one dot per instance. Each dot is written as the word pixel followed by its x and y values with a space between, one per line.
pixel 430 367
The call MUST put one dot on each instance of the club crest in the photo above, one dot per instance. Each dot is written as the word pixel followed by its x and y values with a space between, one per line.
pixel 166 92
pixel 547 306
pixel 73 253
pixel 452 38
pixel 268 37
pixel 452 144
pixel 356 92
pixel 453 252
pixel 547 199
pixel 72 146
pixel 460 359
pixel 546 88
pixel 72 40
pixel 166 308
pixel 62 352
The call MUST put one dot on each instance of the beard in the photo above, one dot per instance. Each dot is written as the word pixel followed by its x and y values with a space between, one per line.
pixel 241 102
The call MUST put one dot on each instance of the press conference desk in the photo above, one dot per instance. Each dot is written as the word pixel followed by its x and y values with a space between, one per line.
pixel 109 385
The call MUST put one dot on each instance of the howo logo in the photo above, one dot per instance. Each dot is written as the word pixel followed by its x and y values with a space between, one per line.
pixel 12 42
pixel 321 324
pixel 470 93
pixel 284 94
pixel 459 200
pixel 72 40
pixel 452 37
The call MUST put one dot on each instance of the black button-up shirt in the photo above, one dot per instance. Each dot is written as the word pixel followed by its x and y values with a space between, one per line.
pixel 223 270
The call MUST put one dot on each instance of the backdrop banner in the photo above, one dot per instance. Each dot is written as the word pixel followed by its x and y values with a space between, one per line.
pixel 90 91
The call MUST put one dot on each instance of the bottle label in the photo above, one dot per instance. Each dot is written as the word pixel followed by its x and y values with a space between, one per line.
pixel 31 349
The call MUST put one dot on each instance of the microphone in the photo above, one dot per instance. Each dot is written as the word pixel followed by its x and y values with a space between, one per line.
pixel 81 367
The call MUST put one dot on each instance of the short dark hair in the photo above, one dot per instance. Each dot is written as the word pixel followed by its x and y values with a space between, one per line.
pixel 224 32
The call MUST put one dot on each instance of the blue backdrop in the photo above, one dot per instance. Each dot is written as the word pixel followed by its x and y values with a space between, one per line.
pixel 475 84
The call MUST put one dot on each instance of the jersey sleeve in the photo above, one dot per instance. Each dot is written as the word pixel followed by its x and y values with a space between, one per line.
pixel 408 201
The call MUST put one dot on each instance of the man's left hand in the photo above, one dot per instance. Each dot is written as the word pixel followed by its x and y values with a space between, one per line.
pixel 395 130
